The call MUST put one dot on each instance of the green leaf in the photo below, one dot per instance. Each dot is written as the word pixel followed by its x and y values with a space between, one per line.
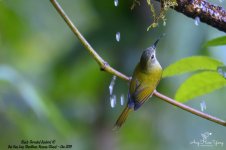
pixel 216 42
pixel 190 64
pixel 199 84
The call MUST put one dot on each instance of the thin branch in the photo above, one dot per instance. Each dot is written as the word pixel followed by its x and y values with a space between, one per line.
pixel 189 109
pixel 103 64
pixel 208 13
pixel 111 70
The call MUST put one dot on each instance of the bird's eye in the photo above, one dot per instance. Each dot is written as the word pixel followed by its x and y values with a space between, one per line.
pixel 152 56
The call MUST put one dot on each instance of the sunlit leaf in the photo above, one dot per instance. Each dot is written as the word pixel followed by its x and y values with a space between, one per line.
pixel 199 84
pixel 190 64
pixel 216 42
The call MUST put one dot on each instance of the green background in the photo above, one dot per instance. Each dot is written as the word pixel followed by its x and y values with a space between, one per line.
pixel 52 89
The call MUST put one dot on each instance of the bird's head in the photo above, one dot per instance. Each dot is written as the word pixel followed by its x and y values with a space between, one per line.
pixel 149 56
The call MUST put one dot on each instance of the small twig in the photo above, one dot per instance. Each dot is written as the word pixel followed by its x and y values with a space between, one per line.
pixel 106 67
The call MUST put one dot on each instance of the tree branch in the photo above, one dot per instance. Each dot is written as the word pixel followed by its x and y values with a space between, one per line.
pixel 106 67
pixel 208 13
pixel 189 109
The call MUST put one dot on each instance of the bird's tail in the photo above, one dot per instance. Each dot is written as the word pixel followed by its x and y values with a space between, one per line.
pixel 122 117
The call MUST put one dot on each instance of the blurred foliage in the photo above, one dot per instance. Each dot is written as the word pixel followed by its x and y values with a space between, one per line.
pixel 190 64
pixel 51 89
pixel 165 6
pixel 199 84
pixel 216 42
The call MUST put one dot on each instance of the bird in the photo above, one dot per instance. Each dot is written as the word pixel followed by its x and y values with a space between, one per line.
pixel 145 78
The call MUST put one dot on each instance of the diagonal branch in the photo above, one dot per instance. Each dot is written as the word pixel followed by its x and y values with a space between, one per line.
pixel 106 67
pixel 208 13
pixel 189 109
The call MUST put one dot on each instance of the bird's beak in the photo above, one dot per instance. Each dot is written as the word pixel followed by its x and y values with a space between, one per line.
pixel 156 42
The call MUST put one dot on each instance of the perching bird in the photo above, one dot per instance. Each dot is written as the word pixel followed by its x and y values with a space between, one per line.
pixel 146 77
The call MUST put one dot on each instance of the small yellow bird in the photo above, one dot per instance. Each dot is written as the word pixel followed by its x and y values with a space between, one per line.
pixel 145 79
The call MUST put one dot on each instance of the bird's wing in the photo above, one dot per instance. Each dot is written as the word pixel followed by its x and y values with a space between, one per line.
pixel 141 94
